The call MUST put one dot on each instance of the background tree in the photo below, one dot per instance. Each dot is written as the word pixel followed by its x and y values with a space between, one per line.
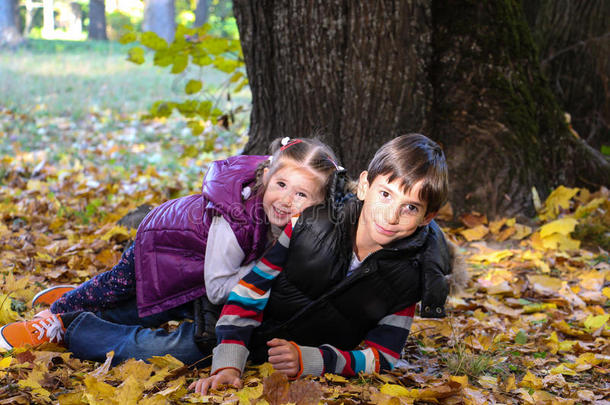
pixel 10 33
pixel 202 12
pixel 574 41
pixel 97 20
pixel 159 17
pixel 466 73
pixel 48 18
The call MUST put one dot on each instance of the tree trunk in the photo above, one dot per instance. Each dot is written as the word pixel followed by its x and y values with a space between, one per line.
pixel 354 73
pixel 29 15
pixel 464 73
pixel 159 17
pixel 97 20
pixel 202 12
pixel 9 31
pixel 75 27
pixel 48 19
pixel 574 41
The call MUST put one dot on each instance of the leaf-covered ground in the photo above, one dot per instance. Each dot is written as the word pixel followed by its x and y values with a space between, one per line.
pixel 531 327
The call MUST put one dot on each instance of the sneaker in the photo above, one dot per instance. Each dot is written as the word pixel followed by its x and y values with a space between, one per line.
pixel 51 294
pixel 34 333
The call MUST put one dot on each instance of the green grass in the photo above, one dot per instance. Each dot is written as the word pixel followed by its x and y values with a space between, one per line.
pixel 74 78
pixel 63 78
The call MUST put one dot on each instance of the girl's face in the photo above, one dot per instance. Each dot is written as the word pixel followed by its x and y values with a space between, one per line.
pixel 289 191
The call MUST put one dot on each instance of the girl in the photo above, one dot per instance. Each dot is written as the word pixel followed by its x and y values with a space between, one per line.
pixel 194 246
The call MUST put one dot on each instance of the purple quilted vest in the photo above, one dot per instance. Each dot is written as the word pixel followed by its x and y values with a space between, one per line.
pixel 171 240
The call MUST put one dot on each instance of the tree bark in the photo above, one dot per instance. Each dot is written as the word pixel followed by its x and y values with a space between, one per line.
pixel 574 41
pixel 464 73
pixel 9 30
pixel 97 20
pixel 354 73
pixel 202 12
pixel 159 17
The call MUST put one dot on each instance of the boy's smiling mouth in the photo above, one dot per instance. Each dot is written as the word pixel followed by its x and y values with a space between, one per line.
pixel 384 231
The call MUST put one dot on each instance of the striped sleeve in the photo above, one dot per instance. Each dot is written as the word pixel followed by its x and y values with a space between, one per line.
pixel 383 345
pixel 243 310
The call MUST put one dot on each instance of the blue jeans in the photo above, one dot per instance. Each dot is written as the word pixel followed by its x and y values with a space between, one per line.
pixel 91 335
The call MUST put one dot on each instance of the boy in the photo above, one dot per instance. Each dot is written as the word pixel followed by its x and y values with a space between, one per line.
pixel 339 282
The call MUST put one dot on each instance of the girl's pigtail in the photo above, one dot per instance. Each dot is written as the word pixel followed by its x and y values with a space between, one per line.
pixel 258 175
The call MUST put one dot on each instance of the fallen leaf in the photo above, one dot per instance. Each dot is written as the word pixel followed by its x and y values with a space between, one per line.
pixel 276 389
pixel 475 233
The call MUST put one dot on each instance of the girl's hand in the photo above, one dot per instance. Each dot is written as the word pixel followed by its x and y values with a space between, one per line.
pixel 284 357
pixel 225 376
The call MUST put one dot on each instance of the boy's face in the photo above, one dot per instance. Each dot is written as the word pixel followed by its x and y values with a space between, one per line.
pixel 389 213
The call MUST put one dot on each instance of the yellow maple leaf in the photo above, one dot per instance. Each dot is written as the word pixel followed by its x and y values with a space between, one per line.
pixel 154 400
pixel 132 367
pixel 335 378
pixel 98 392
pixel 5 362
pixel 168 361
pixel 545 284
pixel 460 379
pixel 588 358
pixel 476 233
pixel 563 368
pixel 563 226
pixel 19 288
pixel 119 233
pixel 541 307
pixel 44 257
pixel 33 382
pixel 384 399
pixel 521 231
pixel 248 394
pixel 71 398
pixel 566 345
pixel 593 323
pixel 544 397
pixel 265 369
pixel 7 315
pixel 397 391
pixel 606 292
pixel 563 327
pixel 129 392
pixel 552 343
pixel 531 255
pixel 531 381
pixel 491 257
pixel 495 226
pixel 560 242
pixel 558 199
pixel 592 280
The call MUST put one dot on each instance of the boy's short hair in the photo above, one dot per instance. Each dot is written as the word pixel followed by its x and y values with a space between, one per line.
pixel 411 158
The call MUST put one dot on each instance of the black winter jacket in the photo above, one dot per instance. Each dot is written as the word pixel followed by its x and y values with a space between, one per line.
pixel 313 302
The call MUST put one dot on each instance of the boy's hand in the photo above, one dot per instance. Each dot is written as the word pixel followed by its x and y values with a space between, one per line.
pixel 284 357
pixel 226 376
